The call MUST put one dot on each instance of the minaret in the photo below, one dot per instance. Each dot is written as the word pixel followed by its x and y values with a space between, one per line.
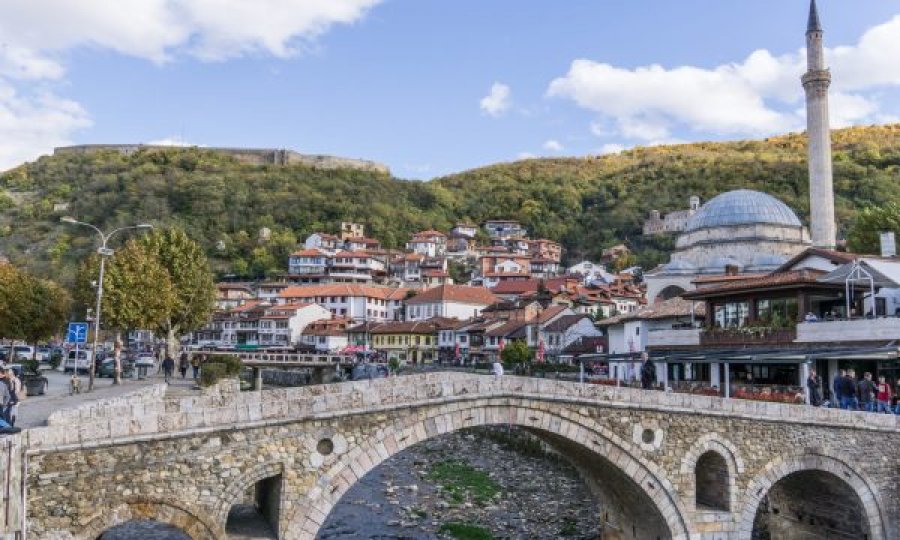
pixel 821 183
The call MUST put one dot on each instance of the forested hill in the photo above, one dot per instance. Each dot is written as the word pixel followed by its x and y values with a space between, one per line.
pixel 586 203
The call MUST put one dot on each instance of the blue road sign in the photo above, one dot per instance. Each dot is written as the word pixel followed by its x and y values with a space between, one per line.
pixel 78 332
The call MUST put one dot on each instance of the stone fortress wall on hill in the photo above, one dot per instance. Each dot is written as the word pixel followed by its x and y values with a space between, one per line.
pixel 252 156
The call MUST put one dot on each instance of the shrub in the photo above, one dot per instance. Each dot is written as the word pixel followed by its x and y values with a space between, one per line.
pixel 211 373
pixel 233 365
pixel 30 367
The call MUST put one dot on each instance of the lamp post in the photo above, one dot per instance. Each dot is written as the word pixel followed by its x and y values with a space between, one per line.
pixel 104 252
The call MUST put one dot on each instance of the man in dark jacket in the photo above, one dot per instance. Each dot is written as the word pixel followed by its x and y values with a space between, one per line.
pixel 866 391
pixel 836 383
pixel 168 366
pixel 812 383
pixel 648 372
pixel 849 399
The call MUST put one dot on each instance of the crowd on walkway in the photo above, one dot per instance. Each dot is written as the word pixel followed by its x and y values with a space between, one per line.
pixel 851 393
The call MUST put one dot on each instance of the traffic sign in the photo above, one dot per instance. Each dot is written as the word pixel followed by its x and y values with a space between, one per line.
pixel 77 333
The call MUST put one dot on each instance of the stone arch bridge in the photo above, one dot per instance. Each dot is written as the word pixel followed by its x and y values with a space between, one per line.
pixel 661 465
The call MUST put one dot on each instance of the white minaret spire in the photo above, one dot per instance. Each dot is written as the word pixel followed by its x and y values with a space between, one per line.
pixel 818 128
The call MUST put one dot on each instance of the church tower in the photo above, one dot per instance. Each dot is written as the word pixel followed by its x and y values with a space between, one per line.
pixel 821 183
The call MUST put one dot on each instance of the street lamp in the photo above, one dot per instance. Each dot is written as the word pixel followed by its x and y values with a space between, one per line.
pixel 104 252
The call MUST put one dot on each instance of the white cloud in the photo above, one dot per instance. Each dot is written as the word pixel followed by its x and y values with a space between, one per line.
pixel 38 33
pixel 498 101
pixel 612 148
pixel 158 29
pixel 35 122
pixel 553 146
pixel 758 96
pixel 173 140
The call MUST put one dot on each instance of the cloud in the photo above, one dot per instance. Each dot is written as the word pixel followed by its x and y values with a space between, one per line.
pixel 553 146
pixel 525 155
pixel 612 148
pixel 498 101
pixel 760 95
pixel 173 140
pixel 31 123
pixel 37 34
pixel 159 29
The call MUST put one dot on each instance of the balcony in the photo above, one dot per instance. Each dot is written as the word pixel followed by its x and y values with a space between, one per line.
pixel 671 337
pixel 748 336
pixel 849 331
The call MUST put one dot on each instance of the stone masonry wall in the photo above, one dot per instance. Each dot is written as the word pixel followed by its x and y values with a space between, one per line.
pixel 186 460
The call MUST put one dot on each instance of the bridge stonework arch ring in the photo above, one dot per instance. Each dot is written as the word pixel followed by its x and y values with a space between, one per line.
pixel 191 523
pixel 341 474
pixel 781 468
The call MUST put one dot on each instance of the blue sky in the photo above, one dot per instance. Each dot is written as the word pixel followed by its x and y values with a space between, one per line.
pixel 430 87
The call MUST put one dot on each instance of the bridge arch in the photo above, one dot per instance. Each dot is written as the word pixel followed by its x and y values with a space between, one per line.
pixel 236 488
pixel 783 467
pixel 167 512
pixel 309 515
pixel 709 445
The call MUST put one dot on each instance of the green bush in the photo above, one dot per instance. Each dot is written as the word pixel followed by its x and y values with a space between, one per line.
pixel 211 373
pixel 465 531
pixel 233 365
pixel 30 366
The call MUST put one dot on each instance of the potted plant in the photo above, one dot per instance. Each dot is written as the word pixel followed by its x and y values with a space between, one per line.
pixel 35 384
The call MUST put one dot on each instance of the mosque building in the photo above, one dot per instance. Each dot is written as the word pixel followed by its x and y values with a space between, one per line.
pixel 749 232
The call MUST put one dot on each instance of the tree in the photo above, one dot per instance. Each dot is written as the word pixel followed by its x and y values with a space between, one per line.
pixel 31 309
pixel 137 292
pixel 517 352
pixel 190 278
pixel 871 221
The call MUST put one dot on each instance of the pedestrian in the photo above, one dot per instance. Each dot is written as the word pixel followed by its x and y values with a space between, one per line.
pixel 195 365
pixel 836 384
pixel 168 367
pixel 866 393
pixel 883 395
pixel 812 383
pixel 183 364
pixel 18 392
pixel 6 396
pixel 648 372
pixel 849 396
pixel 497 369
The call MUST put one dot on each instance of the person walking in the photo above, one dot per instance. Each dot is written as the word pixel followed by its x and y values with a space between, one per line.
pixel 183 364
pixel 883 395
pixel 168 367
pixel 6 397
pixel 497 369
pixel 648 372
pixel 849 395
pixel 18 392
pixel 195 365
pixel 812 383
pixel 836 385
pixel 866 392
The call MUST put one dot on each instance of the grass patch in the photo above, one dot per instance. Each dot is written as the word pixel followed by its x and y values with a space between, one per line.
pixel 465 531
pixel 462 481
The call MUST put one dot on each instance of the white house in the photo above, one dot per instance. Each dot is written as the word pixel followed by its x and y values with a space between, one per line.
pixel 451 301
pixel 566 330
pixel 326 336
pixel 359 303
pixel 311 261
pixel 283 325
pixel 323 241
pixel 428 243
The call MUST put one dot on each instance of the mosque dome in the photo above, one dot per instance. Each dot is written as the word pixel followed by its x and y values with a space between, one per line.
pixel 742 207
pixel 680 267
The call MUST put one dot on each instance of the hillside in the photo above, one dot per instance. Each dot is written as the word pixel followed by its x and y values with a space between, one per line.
pixel 586 203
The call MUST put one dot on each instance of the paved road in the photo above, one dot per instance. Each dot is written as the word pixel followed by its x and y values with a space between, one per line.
pixel 35 410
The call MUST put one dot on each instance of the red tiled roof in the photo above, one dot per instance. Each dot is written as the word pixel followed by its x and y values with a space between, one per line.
pixel 353 254
pixel 309 253
pixel 455 293
pixel 430 232
pixel 344 289
pixel 516 287
pixel 837 257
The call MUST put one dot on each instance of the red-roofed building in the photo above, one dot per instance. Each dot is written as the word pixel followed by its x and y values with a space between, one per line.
pixel 455 301
pixel 350 300
pixel 430 243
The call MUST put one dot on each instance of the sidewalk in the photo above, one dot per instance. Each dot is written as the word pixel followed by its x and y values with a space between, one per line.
pixel 35 410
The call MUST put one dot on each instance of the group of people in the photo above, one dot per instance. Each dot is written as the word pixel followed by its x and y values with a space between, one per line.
pixel 185 361
pixel 11 392
pixel 854 394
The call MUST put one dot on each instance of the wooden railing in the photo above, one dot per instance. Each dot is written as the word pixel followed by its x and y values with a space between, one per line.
pixel 739 337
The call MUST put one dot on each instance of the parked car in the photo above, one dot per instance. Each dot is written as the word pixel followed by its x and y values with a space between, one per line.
pixel 108 368
pixel 44 354
pixel 24 352
pixel 146 360
pixel 78 360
